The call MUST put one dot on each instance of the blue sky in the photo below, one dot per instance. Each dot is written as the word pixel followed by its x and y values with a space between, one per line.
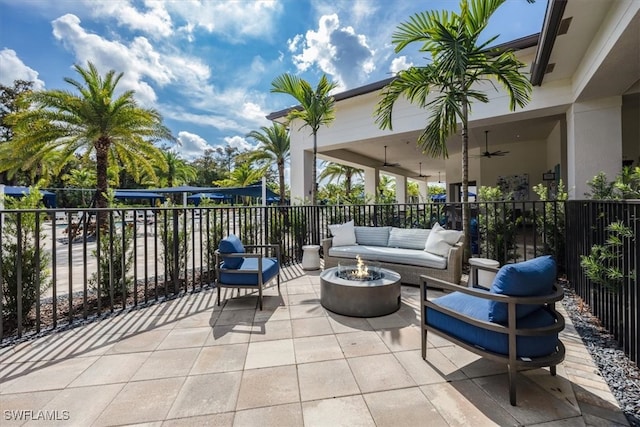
pixel 207 65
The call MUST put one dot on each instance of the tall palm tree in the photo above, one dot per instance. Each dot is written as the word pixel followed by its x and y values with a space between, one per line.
pixel 178 172
pixel 336 171
pixel 275 147
pixel 316 108
pixel 96 121
pixel 459 60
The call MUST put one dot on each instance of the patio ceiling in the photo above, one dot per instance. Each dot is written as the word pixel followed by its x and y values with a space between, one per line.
pixel 402 148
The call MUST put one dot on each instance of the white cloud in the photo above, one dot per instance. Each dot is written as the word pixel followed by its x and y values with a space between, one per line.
pixel 239 142
pixel 139 60
pixel 154 21
pixel 192 146
pixel 216 121
pixel 336 50
pixel 12 68
pixel 230 18
pixel 400 63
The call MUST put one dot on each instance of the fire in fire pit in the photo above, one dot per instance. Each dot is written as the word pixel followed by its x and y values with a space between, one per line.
pixel 361 272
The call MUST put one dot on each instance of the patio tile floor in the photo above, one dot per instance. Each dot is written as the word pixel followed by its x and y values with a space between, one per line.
pixel 190 362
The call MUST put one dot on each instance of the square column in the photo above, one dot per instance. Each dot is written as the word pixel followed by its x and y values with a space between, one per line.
pixel 401 189
pixel 371 182
pixel 301 176
pixel 594 142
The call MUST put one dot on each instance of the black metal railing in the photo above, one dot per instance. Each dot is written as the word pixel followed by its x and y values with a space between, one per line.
pixel 68 268
pixel 617 305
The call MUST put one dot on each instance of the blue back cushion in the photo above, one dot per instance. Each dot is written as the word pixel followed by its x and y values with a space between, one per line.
pixel 528 278
pixel 231 245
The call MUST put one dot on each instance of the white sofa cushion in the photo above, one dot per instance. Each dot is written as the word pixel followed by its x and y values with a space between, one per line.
pixel 372 236
pixel 441 240
pixel 408 238
pixel 390 255
pixel 343 234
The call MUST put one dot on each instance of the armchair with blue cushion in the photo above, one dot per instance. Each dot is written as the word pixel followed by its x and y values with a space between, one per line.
pixel 513 322
pixel 238 268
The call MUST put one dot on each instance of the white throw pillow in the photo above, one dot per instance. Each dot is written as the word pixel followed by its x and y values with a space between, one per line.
pixel 441 240
pixel 343 234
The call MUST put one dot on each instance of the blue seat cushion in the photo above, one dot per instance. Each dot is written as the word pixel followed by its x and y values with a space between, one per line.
pixel 496 342
pixel 269 270
pixel 231 245
pixel 534 277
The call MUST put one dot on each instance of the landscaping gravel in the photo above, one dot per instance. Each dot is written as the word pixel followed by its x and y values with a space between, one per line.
pixel 621 374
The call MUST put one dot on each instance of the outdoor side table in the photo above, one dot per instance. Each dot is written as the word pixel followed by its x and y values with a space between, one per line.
pixel 311 257
pixel 485 278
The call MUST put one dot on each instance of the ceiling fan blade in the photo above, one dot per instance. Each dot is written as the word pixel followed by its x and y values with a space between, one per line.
pixel 386 164
pixel 499 153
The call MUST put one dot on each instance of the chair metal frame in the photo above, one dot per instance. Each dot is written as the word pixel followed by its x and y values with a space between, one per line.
pixel 514 364
pixel 263 249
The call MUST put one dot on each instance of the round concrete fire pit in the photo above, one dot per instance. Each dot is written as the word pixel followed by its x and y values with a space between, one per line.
pixel 360 298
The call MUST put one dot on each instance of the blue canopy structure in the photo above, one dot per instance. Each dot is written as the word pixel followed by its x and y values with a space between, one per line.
pixel 139 195
pixel 48 198
pixel 254 190
pixel 439 197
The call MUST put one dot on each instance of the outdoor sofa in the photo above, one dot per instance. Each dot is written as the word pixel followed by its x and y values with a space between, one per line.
pixel 411 252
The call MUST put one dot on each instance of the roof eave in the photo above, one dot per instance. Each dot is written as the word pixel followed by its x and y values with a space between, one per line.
pixel 552 19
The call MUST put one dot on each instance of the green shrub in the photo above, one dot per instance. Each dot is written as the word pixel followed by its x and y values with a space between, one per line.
pixel 602 265
pixel 35 260
pixel 116 259
pixel 550 224
pixel 497 226
pixel 173 239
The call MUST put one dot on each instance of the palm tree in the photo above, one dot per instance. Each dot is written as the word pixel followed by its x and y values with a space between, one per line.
pixel 458 62
pixel 275 147
pixel 316 108
pixel 82 178
pixel 178 172
pixel 335 171
pixel 242 175
pixel 114 129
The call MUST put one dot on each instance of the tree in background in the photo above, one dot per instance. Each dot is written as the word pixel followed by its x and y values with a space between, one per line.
pixel 178 172
pixel 335 172
pixel 207 168
pixel 94 121
pixel 276 147
pixel 459 61
pixel 316 108
pixel 9 104
pixel 82 179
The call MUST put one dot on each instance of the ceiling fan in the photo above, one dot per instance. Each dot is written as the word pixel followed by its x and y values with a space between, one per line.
pixel 390 165
pixel 488 154
pixel 420 175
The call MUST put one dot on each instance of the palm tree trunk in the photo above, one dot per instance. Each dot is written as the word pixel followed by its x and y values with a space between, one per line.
pixel 314 187
pixel 348 175
pixel 466 212
pixel 101 172
pixel 281 180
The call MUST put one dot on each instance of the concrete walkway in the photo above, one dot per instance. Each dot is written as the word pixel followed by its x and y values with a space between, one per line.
pixel 191 363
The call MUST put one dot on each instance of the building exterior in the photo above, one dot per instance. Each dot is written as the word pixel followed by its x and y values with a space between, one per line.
pixel 583 117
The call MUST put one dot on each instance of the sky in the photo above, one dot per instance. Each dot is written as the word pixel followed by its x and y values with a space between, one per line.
pixel 207 65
